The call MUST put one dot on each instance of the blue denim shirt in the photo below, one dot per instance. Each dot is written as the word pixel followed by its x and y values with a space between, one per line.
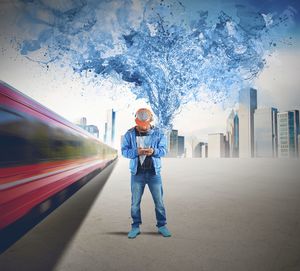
pixel 130 150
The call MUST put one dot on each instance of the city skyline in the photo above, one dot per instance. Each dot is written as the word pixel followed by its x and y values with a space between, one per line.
pixel 254 131
pixel 264 140
pixel 251 131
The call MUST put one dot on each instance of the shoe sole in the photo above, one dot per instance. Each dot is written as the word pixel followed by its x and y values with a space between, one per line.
pixel 134 236
pixel 164 235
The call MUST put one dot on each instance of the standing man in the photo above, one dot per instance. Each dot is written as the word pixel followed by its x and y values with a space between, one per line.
pixel 144 144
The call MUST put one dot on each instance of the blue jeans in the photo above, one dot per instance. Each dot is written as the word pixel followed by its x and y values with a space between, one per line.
pixel 138 183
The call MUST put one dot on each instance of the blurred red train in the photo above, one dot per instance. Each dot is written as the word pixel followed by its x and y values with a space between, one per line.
pixel 40 154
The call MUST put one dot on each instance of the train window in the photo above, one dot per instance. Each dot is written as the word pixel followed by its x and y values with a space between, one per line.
pixel 25 139
pixel 14 150
pixel 7 117
pixel 14 147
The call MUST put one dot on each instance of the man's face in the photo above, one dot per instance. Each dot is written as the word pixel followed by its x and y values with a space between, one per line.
pixel 144 128
pixel 143 119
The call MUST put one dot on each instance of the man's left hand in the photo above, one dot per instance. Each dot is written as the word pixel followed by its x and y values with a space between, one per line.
pixel 149 151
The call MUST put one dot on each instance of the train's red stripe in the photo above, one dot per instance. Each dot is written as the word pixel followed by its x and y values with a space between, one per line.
pixel 26 197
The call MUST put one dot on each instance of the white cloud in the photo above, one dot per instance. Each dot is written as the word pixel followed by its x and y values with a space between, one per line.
pixel 279 83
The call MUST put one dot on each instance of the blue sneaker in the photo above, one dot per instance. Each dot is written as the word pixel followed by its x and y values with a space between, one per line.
pixel 134 232
pixel 164 231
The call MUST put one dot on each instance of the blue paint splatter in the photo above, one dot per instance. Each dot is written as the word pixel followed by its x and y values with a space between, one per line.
pixel 167 58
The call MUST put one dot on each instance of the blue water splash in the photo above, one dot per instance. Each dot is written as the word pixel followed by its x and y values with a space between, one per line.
pixel 167 58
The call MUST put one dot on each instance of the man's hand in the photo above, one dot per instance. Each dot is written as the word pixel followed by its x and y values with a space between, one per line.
pixel 149 151
pixel 141 151
pixel 145 151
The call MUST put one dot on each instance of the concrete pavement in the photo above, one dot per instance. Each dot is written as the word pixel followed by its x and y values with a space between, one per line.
pixel 224 214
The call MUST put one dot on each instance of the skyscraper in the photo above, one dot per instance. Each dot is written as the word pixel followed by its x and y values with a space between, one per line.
pixel 200 150
pixel 204 152
pixel 105 133
pixel 298 145
pixel 216 145
pixel 83 122
pixel 265 132
pixel 296 131
pixel 230 133
pixel 247 105
pixel 172 138
pixel 93 129
pixel 110 127
pixel 226 146
pixel 236 136
pixel 197 150
pixel 288 125
pixel 180 146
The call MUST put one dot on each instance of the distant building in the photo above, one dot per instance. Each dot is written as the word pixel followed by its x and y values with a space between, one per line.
pixel 296 130
pixel 205 151
pixel 230 134
pixel 92 129
pixel 110 128
pixel 216 145
pixel 298 145
pixel 235 151
pixel 172 141
pixel 105 132
pixel 265 132
pixel 83 122
pixel 247 105
pixel 288 125
pixel 181 149
pixel 200 150
pixel 226 145
pixel 197 151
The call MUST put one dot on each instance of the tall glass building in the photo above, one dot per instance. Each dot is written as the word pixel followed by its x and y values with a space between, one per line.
pixel 200 150
pixel 230 133
pixel 216 145
pixel 83 122
pixel 236 136
pixel 247 106
pixel 181 151
pixel 110 128
pixel 172 140
pixel 204 150
pixel 197 150
pixel 288 129
pixel 298 145
pixel 297 131
pixel 265 132
pixel 105 133
pixel 93 129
